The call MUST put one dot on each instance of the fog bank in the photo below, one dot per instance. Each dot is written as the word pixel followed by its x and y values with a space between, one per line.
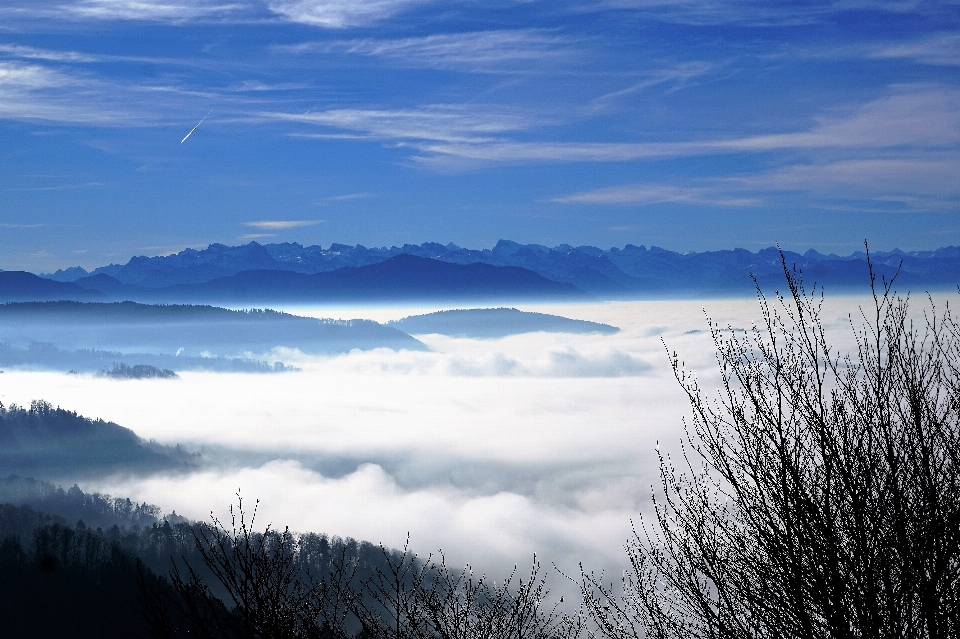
pixel 490 449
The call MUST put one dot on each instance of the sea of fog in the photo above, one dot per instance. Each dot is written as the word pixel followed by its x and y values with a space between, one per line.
pixel 489 450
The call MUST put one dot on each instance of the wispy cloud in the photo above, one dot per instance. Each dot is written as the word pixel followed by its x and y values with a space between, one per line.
pixel 152 10
pixel 867 185
pixel 43 90
pixel 322 13
pixel 483 51
pixel 33 53
pixel 340 13
pixel 256 236
pixel 256 86
pixel 341 198
pixel 925 117
pixel 23 52
pixel 640 194
pixel 444 122
pixel 941 49
pixel 909 117
pixel 675 76
pixel 281 225
pixel 37 92
pixel 880 184
pixel 21 226
pixel 757 12
pixel 935 176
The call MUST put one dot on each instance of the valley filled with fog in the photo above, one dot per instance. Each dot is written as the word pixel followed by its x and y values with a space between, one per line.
pixel 489 449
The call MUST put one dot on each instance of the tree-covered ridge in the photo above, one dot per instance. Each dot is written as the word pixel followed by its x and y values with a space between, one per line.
pixel 80 565
pixel 236 579
pixel 47 356
pixel 495 322
pixel 54 442
pixel 85 312
pixel 72 505
pixel 177 330
pixel 121 370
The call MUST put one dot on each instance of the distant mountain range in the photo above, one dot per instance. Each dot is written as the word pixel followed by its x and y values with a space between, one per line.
pixel 291 272
pixel 401 277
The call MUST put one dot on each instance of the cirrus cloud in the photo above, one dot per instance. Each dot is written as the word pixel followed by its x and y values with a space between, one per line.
pixel 654 194
pixel 339 14
pixel 281 225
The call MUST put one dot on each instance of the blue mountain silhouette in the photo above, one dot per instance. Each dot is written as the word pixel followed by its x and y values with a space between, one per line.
pixel 617 273
pixel 20 286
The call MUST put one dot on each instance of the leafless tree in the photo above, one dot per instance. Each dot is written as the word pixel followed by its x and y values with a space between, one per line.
pixel 817 495
pixel 462 606
pixel 266 594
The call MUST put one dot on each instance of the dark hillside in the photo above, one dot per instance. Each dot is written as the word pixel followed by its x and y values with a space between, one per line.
pixel 54 443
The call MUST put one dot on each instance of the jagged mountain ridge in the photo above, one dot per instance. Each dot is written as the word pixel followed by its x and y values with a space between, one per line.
pixel 614 273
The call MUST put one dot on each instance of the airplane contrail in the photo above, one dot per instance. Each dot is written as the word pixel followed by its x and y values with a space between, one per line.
pixel 195 128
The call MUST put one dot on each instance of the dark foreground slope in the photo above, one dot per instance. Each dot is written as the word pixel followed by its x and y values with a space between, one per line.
pixel 77 565
pixel 495 322
pixel 186 331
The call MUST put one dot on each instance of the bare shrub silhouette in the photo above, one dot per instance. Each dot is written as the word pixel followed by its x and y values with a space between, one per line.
pixel 252 585
pixel 818 494
pixel 433 601
pixel 262 594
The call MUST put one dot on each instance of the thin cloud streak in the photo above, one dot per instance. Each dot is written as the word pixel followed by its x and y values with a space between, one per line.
pixel 934 176
pixel 917 117
pixel 755 13
pixel 642 194
pixel 339 14
pixel 36 92
pixel 925 117
pixel 679 76
pixel 33 53
pixel 151 10
pixel 483 51
pixel 282 225
pixel 443 122
pixel 892 184
pixel 941 50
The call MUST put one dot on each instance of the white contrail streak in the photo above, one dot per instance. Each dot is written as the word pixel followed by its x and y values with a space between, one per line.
pixel 195 128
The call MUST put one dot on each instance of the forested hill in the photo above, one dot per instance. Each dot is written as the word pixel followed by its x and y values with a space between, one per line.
pixel 495 322
pixel 54 443
pixel 631 271
pixel 187 330
pixel 75 564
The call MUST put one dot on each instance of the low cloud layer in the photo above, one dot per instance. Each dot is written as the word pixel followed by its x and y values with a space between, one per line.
pixel 490 450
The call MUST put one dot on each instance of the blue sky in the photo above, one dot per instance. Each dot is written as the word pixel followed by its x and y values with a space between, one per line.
pixel 691 125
